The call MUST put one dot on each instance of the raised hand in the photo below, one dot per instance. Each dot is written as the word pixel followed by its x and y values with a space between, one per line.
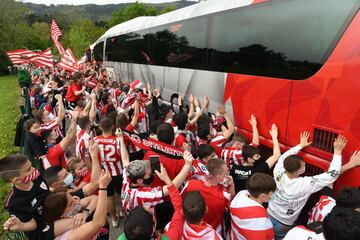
pixel 105 179
pixel 274 131
pixel 221 110
pixel 179 101
pixel 196 102
pixel 163 175
pixel 355 158
pixel 188 157
pixel 94 148
pixel 206 101
pixel 339 144
pixel 191 98
pixel 304 139
pixel 119 133
pixel 252 120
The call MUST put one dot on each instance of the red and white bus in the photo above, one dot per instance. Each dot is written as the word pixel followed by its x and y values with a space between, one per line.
pixel 295 63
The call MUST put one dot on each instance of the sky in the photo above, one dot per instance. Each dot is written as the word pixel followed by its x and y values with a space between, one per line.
pixel 99 2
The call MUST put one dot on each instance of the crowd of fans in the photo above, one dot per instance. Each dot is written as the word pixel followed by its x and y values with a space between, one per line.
pixel 180 172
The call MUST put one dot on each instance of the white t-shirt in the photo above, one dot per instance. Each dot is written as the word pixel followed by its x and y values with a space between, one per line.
pixel 302 233
pixel 291 194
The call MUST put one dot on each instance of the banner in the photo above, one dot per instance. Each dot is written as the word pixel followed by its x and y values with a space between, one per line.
pixel 147 143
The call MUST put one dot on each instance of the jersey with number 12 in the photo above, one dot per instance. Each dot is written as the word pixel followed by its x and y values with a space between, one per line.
pixel 109 154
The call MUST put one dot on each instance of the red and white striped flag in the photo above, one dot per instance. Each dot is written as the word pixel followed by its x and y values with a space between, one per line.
pixel 68 61
pixel 21 56
pixel 44 58
pixel 55 34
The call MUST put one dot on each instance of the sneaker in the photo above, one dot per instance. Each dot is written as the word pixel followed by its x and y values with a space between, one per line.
pixel 116 222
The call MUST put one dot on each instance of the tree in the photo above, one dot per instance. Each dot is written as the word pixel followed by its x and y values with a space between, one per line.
pixel 12 24
pixel 167 9
pixel 12 16
pixel 136 10
pixel 40 36
pixel 82 34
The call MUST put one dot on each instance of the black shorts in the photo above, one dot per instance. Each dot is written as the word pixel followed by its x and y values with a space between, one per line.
pixel 114 186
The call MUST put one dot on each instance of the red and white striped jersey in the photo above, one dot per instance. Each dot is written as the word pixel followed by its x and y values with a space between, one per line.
pixel 321 209
pixel 53 112
pixel 199 232
pixel 198 169
pixel 218 143
pixel 143 120
pixel 49 126
pixel 249 219
pixel 232 156
pixel 114 95
pixel 82 144
pixel 302 233
pixel 142 196
pixel 109 154
pixel 129 145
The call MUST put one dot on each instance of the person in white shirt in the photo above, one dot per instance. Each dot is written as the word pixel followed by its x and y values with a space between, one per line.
pixel 292 190
pixel 303 233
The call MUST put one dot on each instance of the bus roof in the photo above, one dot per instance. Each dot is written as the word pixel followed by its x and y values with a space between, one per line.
pixel 192 11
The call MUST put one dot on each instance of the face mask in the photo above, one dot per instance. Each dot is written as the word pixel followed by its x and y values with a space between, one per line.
pixel 82 173
pixel 69 180
pixel 302 171
pixel 224 182
pixel 34 175
pixel 149 180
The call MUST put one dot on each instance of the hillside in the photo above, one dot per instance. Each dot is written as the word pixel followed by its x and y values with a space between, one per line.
pixel 92 11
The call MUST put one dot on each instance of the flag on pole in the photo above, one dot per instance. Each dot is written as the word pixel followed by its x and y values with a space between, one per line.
pixel 55 34
pixel 68 61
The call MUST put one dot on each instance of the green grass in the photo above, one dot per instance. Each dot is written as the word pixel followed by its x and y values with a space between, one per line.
pixel 9 114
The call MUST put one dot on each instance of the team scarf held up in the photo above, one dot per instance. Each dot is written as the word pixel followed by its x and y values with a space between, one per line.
pixel 147 143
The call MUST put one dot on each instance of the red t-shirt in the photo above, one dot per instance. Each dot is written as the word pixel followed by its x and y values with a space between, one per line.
pixel 172 166
pixel 216 199
pixel 55 157
pixel 70 94
pixel 180 140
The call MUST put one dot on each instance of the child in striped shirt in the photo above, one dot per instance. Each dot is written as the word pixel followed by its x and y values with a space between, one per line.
pixel 249 219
